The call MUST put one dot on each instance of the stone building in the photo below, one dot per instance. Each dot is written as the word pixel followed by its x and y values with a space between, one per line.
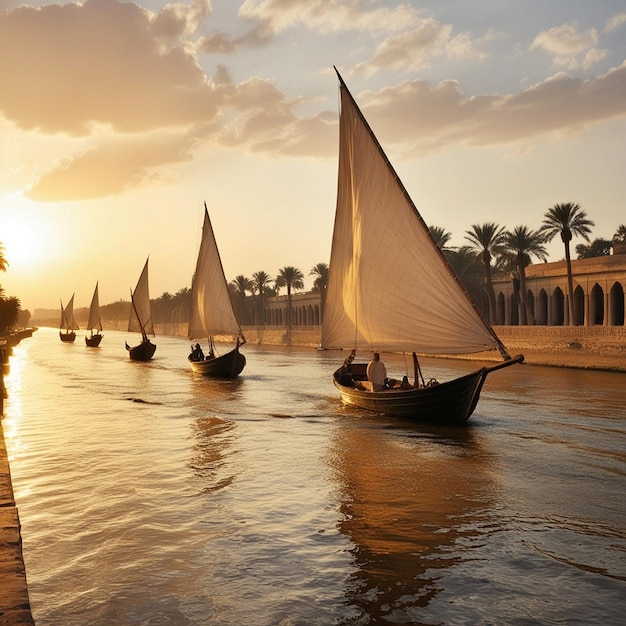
pixel 306 310
pixel 599 288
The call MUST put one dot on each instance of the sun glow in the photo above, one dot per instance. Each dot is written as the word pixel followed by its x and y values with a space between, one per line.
pixel 20 237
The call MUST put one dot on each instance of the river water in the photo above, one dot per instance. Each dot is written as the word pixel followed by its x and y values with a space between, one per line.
pixel 148 495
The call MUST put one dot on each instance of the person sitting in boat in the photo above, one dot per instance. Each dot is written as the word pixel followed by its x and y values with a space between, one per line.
pixel 399 384
pixel 377 373
pixel 196 353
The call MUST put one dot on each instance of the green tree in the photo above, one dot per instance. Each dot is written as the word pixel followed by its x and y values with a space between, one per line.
pixel 261 281
pixel 320 271
pixel 567 220
pixel 293 279
pixel 598 247
pixel 467 265
pixel 523 243
pixel 240 285
pixel 9 312
pixel 440 235
pixel 487 239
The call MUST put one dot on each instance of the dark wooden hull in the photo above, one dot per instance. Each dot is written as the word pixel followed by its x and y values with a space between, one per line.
pixel 143 352
pixel 94 340
pixel 67 337
pixel 228 365
pixel 451 402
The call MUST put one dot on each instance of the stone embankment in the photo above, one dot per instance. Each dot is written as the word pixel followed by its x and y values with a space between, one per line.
pixel 595 347
pixel 14 600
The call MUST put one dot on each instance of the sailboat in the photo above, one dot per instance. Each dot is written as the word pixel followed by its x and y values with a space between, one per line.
pixel 94 323
pixel 212 312
pixel 68 323
pixel 141 319
pixel 390 289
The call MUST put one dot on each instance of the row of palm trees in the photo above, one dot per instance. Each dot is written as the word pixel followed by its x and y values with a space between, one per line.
pixel 262 286
pixel 511 251
pixel 9 305
pixel 491 251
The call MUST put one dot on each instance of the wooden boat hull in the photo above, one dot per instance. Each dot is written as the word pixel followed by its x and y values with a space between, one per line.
pixel 143 352
pixel 451 402
pixel 228 365
pixel 93 341
pixel 67 337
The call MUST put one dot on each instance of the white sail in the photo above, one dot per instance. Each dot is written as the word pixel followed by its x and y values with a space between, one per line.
pixel 211 307
pixel 94 322
pixel 389 286
pixel 140 313
pixel 67 316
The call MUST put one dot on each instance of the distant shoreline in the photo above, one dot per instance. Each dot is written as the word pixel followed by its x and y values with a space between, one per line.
pixel 582 347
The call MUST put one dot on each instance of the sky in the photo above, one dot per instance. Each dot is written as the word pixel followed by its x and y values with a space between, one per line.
pixel 118 120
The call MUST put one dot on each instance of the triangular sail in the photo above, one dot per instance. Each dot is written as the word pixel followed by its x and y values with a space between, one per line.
pixel 67 316
pixel 140 313
pixel 211 307
pixel 389 286
pixel 94 322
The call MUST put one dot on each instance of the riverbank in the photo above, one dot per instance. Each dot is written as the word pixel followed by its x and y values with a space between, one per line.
pixel 14 600
pixel 584 347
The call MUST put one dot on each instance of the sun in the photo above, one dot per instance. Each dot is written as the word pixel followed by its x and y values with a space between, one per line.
pixel 19 243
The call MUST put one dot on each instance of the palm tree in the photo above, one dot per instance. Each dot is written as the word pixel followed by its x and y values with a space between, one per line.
pixel 260 281
pixel 320 271
pixel 567 219
pixel 522 243
pixel 598 247
pixel 292 278
pixel 619 240
pixel 440 235
pixel 9 312
pixel 4 264
pixel 466 264
pixel 240 285
pixel 487 240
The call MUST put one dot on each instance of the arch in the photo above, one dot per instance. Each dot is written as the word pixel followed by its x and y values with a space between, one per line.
pixel 500 309
pixel 541 315
pixel 579 306
pixel 616 305
pixel 596 306
pixel 558 307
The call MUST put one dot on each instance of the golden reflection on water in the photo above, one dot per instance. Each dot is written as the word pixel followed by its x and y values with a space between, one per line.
pixel 407 497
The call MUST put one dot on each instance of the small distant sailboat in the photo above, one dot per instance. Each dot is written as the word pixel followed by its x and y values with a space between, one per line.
pixel 141 319
pixel 68 323
pixel 94 323
pixel 212 312
pixel 391 289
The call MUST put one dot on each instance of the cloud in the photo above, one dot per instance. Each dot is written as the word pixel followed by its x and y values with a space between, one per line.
pixel 112 165
pixel 413 49
pixel 441 117
pixel 571 47
pixel 615 22
pixel 271 17
pixel 64 68
pixel 328 15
